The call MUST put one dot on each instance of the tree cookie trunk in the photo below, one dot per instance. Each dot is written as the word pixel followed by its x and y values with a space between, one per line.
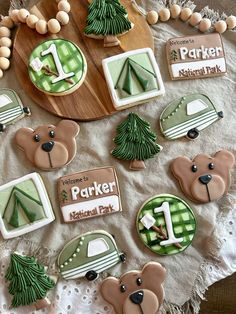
pixel 42 303
pixel 111 41
pixel 137 165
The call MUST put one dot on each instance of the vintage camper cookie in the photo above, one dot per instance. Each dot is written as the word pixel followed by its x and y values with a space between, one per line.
pixel 24 206
pixel 29 283
pixel 135 142
pixel 198 56
pixel 188 116
pixel 204 178
pixel 89 194
pixel 88 255
pixel 11 108
pixel 133 77
pixel 166 224
pixel 49 147
pixel 137 291
pixel 57 67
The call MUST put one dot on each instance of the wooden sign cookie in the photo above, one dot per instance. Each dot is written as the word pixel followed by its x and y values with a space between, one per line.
pixel 198 56
pixel 89 194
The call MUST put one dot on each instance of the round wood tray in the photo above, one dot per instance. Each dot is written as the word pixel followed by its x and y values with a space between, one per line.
pixel 92 100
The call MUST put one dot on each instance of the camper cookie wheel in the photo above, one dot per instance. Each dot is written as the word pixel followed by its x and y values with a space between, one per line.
pixel 195 19
pixel 15 17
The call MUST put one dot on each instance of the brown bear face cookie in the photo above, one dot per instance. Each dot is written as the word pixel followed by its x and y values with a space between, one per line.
pixel 49 147
pixel 136 292
pixel 205 178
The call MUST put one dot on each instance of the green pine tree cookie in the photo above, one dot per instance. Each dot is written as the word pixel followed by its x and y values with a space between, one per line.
pixel 135 141
pixel 28 281
pixel 106 19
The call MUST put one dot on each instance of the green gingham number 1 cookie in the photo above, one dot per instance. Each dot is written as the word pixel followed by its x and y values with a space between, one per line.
pixel 57 67
pixel 166 224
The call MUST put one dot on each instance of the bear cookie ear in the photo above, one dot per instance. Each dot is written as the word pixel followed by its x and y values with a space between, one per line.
pixel 179 166
pixel 226 157
pixel 23 136
pixel 110 289
pixel 69 127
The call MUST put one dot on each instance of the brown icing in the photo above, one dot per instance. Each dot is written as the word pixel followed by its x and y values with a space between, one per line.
pixel 47 150
pixel 144 298
pixel 205 178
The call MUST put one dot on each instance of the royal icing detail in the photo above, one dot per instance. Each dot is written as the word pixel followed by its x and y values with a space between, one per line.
pixel 166 224
pixel 107 18
pixel 135 142
pixel 89 194
pixel 198 56
pixel 133 77
pixel 57 67
pixel 136 289
pixel 24 206
pixel 49 147
pixel 204 178
pixel 28 281
pixel 88 255
pixel 188 116
pixel 11 108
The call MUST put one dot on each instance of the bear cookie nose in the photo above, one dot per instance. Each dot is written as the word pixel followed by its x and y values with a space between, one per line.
pixel 137 297
pixel 47 147
pixel 205 179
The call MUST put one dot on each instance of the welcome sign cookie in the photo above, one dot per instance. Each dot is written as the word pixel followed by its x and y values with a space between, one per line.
pixel 198 56
pixel 89 194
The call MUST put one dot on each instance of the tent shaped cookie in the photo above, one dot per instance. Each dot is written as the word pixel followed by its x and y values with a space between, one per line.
pixel 24 206
pixel 133 78
pixel 88 255
pixel 188 116
pixel 11 108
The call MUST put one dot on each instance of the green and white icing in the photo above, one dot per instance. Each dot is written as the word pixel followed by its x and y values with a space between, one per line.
pixel 11 108
pixel 194 111
pixel 92 251
pixel 135 140
pixel 62 57
pixel 107 17
pixel 176 218
pixel 28 281
pixel 24 206
pixel 133 77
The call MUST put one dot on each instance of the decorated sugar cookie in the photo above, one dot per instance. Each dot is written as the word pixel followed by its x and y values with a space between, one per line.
pixel 28 282
pixel 11 108
pixel 205 178
pixel 57 67
pixel 135 142
pixel 192 57
pixel 24 206
pixel 89 194
pixel 88 255
pixel 188 116
pixel 49 147
pixel 137 291
pixel 166 224
pixel 106 20
pixel 133 78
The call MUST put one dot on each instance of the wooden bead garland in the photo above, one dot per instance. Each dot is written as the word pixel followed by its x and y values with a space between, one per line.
pixel 193 18
pixel 32 21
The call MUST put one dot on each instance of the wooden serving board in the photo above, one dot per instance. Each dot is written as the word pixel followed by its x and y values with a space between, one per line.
pixel 92 100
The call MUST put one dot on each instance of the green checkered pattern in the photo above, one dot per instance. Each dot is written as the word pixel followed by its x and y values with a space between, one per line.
pixel 71 58
pixel 183 221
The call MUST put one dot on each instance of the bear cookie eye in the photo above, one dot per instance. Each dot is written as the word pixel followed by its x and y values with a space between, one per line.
pixel 139 281
pixel 122 288
pixel 194 168
pixel 37 138
pixel 211 166
pixel 52 134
